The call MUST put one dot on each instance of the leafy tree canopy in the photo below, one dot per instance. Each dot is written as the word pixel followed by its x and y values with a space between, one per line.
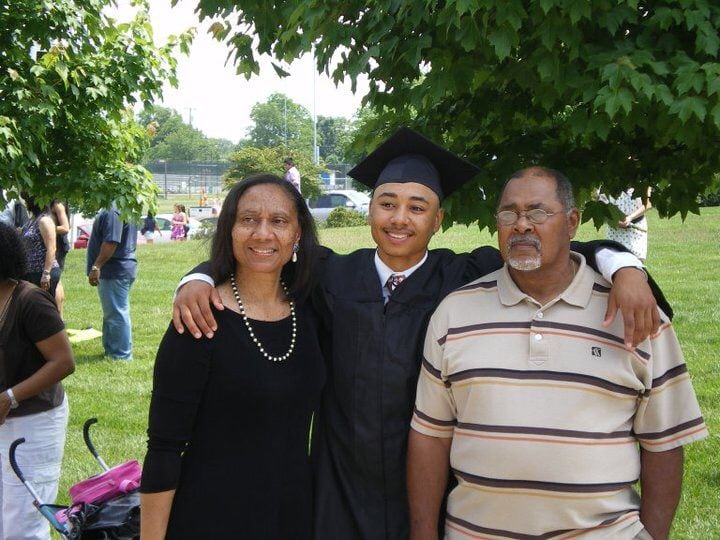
pixel 252 160
pixel 615 93
pixel 333 137
pixel 175 140
pixel 221 149
pixel 69 77
pixel 280 121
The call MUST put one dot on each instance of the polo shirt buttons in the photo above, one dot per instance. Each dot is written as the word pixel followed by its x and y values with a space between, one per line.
pixel 538 337
pixel 539 315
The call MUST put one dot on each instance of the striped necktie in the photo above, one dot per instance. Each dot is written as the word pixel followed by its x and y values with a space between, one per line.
pixel 393 281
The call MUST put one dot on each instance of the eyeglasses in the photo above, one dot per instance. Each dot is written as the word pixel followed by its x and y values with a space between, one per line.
pixel 536 216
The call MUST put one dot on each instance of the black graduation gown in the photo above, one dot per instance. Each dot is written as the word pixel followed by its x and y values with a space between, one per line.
pixel 374 353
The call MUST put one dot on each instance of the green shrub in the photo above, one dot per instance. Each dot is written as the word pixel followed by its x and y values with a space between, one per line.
pixel 206 231
pixel 710 199
pixel 343 217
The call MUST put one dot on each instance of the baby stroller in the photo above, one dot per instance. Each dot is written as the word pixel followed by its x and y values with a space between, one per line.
pixel 106 506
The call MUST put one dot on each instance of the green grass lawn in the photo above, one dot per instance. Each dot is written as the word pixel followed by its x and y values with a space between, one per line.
pixel 683 257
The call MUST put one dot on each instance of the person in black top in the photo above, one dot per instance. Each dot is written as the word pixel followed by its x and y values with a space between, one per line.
pixel 59 214
pixel 35 355
pixel 230 418
pixel 40 245
pixel 149 227
pixel 373 337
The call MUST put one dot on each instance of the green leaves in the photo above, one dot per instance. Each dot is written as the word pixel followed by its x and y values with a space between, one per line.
pixel 613 101
pixel 689 106
pixel 619 93
pixel 502 41
pixel 281 122
pixel 65 126
pixel 253 160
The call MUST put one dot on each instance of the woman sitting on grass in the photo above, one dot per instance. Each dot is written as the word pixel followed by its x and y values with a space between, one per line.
pixel 35 356
pixel 230 417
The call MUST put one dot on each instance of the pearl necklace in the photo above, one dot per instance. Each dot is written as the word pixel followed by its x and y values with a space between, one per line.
pixel 250 330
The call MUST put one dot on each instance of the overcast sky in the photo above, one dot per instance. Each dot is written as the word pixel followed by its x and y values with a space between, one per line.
pixel 219 100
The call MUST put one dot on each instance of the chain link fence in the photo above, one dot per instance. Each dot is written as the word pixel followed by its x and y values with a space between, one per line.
pixel 188 177
pixel 191 178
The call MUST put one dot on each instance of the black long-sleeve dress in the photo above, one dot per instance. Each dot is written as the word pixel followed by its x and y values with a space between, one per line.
pixel 229 429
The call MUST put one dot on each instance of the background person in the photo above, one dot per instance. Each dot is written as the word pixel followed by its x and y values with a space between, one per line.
pixel 58 212
pixel 149 227
pixel 111 266
pixel 544 416
pixel 186 222
pixel 632 230
pixel 35 356
pixel 292 174
pixel 14 214
pixel 178 224
pixel 40 245
pixel 230 417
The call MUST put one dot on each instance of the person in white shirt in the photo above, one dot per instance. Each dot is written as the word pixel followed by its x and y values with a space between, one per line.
pixel 292 174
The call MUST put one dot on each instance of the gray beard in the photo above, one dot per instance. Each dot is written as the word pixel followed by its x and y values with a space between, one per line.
pixel 524 264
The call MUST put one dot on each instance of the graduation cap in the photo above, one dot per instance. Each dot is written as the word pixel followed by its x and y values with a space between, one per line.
pixel 407 156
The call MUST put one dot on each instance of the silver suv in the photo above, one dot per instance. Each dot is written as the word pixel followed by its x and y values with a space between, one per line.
pixel 321 207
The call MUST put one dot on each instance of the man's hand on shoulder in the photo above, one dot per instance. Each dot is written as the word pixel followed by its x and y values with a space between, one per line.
pixel 632 295
pixel 192 309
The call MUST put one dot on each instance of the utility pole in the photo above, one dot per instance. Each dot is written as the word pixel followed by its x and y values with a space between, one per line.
pixel 315 146
pixel 190 111
pixel 285 118
pixel 164 162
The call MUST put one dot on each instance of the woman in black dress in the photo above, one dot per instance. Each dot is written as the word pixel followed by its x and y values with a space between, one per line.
pixel 231 417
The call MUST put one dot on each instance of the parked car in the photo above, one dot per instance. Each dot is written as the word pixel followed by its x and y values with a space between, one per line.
pixel 210 219
pixel 321 207
pixel 164 223
pixel 82 236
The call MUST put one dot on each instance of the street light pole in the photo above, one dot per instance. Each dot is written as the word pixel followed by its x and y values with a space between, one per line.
pixel 164 162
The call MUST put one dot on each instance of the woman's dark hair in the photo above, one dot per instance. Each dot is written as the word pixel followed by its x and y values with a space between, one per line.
pixel 12 253
pixel 297 276
pixel 32 205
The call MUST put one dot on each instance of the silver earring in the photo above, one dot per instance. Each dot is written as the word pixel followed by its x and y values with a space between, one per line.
pixel 296 248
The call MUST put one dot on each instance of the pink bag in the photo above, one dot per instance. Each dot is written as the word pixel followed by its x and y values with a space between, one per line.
pixel 108 485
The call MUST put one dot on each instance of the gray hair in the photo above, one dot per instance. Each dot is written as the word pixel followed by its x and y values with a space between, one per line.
pixel 563 187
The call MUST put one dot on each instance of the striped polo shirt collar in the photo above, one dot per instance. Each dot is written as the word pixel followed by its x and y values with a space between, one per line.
pixel 578 292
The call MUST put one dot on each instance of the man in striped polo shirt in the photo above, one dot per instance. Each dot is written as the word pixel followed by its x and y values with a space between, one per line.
pixel 546 418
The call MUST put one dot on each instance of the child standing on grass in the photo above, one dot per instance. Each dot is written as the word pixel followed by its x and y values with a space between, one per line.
pixel 178 224
pixel 186 221
pixel 149 227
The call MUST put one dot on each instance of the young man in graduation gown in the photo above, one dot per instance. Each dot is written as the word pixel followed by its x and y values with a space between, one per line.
pixel 375 306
